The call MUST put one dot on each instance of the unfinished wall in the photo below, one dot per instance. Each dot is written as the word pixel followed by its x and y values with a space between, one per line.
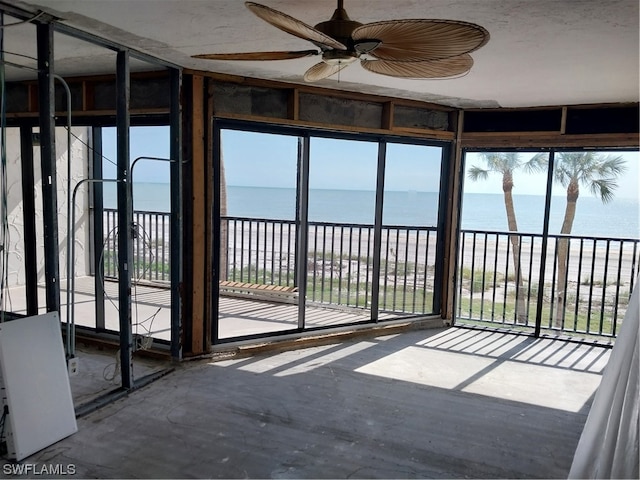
pixel 15 211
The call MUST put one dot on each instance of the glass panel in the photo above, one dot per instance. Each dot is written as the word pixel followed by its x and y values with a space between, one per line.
pixel 409 232
pixel 258 291
pixel 593 242
pixel 502 221
pixel 342 183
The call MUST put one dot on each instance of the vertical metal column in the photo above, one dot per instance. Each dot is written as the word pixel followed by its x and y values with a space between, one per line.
pixel 302 223
pixel 176 213
pixel 46 102
pixel 29 219
pixel 377 231
pixel 545 242
pixel 125 216
pixel 441 238
pixel 98 226
pixel 216 232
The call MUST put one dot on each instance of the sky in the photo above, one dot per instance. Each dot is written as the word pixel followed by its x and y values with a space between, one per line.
pixel 267 160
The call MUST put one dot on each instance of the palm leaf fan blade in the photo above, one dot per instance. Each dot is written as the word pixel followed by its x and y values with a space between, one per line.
pixel 284 55
pixel 293 26
pixel 322 70
pixel 442 68
pixel 419 40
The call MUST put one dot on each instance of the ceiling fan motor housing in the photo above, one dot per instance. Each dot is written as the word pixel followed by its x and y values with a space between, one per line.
pixel 340 28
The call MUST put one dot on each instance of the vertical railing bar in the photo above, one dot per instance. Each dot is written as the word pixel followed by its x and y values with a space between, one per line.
pixel 341 251
pixel 257 250
pixel 386 272
pixel 333 241
pixel 324 248
pixel 506 282
pixel 113 235
pixel 577 307
pixel 273 252
pixel 495 277
pixel 395 271
pixel 358 255
pixel 530 280
pixel 138 262
pixel 553 282
pixel 157 245
pixel 565 287
pixel 280 252
pixel 614 321
pixel 484 275
pixel 406 270
pixel 148 257
pixel 634 259
pixel 426 268
pixel 147 271
pixel 315 259
pixel 366 292
pixel 242 243
pixel 291 225
pixel 235 248
pixel 264 251
pixel 463 244
pixel 473 272
pixel 250 252
pixel 415 274
pixel 593 270
pixel 349 264
pixel 604 286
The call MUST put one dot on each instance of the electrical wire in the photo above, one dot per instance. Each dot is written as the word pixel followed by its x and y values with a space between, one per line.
pixel 4 220
pixel 143 340
pixel 93 150
pixel 22 22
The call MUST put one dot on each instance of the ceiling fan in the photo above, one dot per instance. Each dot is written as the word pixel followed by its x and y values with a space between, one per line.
pixel 412 48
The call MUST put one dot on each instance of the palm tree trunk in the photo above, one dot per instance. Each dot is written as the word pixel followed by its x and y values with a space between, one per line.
pixel 521 312
pixel 563 253
pixel 224 226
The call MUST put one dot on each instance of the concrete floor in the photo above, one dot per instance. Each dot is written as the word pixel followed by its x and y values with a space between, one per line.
pixel 446 403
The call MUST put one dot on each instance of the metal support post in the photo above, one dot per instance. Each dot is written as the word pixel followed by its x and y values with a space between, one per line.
pixel 377 231
pixel 29 219
pixel 176 213
pixel 46 99
pixel 125 217
pixel 98 226
pixel 302 227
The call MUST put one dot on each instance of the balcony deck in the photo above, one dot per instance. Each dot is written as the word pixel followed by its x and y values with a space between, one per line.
pixel 151 311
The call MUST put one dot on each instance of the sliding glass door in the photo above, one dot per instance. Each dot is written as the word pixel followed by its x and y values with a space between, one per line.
pixel 257 284
pixel 317 231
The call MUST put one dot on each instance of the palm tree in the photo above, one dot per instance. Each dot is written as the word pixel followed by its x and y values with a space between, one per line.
pixel 505 164
pixel 224 225
pixel 596 172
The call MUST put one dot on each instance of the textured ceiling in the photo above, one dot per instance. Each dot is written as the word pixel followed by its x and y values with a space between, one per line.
pixel 541 52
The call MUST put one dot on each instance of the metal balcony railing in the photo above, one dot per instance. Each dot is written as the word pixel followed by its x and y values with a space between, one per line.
pixel 503 278
pixel 573 284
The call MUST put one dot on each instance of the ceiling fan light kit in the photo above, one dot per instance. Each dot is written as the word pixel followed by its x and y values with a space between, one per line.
pixel 412 48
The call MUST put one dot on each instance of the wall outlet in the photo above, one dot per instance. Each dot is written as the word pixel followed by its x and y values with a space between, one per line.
pixel 72 366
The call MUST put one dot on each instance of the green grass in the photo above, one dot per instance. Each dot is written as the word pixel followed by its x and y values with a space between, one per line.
pixel 478 311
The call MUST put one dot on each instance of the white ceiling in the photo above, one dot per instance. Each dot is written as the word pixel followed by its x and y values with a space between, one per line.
pixel 541 52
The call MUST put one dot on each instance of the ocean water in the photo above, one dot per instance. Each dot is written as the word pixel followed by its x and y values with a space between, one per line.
pixel 620 218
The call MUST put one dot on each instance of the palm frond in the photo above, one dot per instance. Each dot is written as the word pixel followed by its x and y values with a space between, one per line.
pixel 604 188
pixel 537 163
pixel 477 173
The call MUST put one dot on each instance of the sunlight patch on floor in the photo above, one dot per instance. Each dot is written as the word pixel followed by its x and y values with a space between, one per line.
pixel 540 385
